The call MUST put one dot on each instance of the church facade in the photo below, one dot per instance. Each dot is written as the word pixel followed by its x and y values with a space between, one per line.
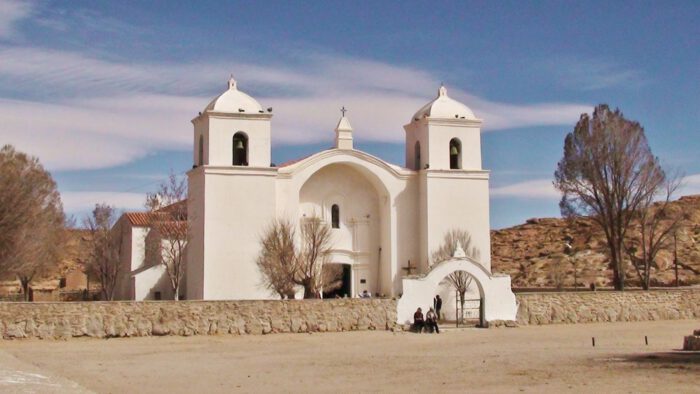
pixel 384 217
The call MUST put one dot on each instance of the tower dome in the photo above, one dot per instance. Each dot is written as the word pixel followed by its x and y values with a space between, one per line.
pixel 444 107
pixel 234 101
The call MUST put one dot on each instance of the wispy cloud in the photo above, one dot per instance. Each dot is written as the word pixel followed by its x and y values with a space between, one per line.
pixel 80 111
pixel 86 200
pixel 541 189
pixel 690 185
pixel 591 74
pixel 119 111
pixel 12 12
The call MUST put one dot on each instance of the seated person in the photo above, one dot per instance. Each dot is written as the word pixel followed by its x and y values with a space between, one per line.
pixel 365 294
pixel 431 321
pixel 418 322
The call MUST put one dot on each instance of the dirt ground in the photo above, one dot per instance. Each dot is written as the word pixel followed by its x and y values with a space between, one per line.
pixel 557 358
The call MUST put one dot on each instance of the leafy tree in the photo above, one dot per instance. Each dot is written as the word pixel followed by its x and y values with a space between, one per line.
pixel 104 260
pixel 32 222
pixel 608 172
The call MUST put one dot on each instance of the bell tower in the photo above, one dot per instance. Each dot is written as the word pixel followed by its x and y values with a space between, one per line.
pixel 443 145
pixel 233 130
pixel 443 135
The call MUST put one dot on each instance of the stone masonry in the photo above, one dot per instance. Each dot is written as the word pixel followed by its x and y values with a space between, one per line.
pixel 63 320
pixel 608 306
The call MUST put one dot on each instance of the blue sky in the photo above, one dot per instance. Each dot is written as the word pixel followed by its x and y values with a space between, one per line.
pixel 103 91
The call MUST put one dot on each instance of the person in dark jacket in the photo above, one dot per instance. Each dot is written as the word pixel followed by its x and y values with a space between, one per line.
pixel 437 305
pixel 418 321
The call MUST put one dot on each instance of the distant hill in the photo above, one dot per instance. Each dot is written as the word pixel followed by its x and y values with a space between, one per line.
pixel 533 253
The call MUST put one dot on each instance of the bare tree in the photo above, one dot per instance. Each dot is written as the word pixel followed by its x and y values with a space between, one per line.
pixel 104 260
pixel 607 172
pixel 32 223
pixel 168 238
pixel 557 271
pixel 655 226
pixel 449 244
pixel 277 258
pixel 459 280
pixel 285 264
pixel 313 254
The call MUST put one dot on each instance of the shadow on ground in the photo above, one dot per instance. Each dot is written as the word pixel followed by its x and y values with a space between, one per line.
pixel 661 359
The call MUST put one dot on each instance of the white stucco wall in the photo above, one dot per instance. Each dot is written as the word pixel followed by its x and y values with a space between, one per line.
pixel 239 204
pixel 402 212
pixel 150 280
pixel 499 302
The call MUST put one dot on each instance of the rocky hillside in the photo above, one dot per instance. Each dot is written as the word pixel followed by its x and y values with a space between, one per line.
pixel 533 253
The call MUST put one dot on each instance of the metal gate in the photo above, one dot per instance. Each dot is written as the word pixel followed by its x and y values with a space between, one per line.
pixel 472 314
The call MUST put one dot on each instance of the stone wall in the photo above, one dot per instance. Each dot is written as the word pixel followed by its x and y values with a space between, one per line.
pixel 62 320
pixel 607 306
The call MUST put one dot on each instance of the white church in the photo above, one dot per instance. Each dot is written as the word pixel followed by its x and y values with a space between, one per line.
pixel 382 215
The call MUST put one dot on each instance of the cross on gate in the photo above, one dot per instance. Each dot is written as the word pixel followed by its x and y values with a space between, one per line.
pixel 409 268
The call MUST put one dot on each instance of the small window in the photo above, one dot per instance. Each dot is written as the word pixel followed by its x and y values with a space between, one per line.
pixel 200 159
pixel 335 216
pixel 240 149
pixel 416 157
pixel 455 154
pixel 157 296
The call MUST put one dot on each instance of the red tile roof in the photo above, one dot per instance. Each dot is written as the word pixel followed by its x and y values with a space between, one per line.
pixel 144 219
pixel 139 218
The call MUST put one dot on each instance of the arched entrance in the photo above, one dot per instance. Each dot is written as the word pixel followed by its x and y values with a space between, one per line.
pixel 344 198
pixel 497 300
pixel 461 299
pixel 339 280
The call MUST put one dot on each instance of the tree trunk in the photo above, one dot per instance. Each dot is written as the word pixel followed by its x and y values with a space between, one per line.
pixel 618 270
pixel 176 291
pixel 308 292
pixel 25 288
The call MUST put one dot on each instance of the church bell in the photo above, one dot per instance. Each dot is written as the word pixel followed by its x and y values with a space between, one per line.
pixel 239 144
pixel 454 151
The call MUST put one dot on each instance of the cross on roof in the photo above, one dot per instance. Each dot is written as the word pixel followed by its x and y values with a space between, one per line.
pixel 409 268
pixel 343 110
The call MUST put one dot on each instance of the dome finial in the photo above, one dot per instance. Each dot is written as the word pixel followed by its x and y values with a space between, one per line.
pixel 442 91
pixel 232 83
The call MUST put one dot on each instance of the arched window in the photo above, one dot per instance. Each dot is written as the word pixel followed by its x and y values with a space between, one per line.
pixel 335 216
pixel 416 157
pixel 455 154
pixel 240 149
pixel 200 158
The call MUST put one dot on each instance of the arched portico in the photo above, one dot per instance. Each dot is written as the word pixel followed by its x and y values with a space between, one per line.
pixel 390 184
pixel 498 300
